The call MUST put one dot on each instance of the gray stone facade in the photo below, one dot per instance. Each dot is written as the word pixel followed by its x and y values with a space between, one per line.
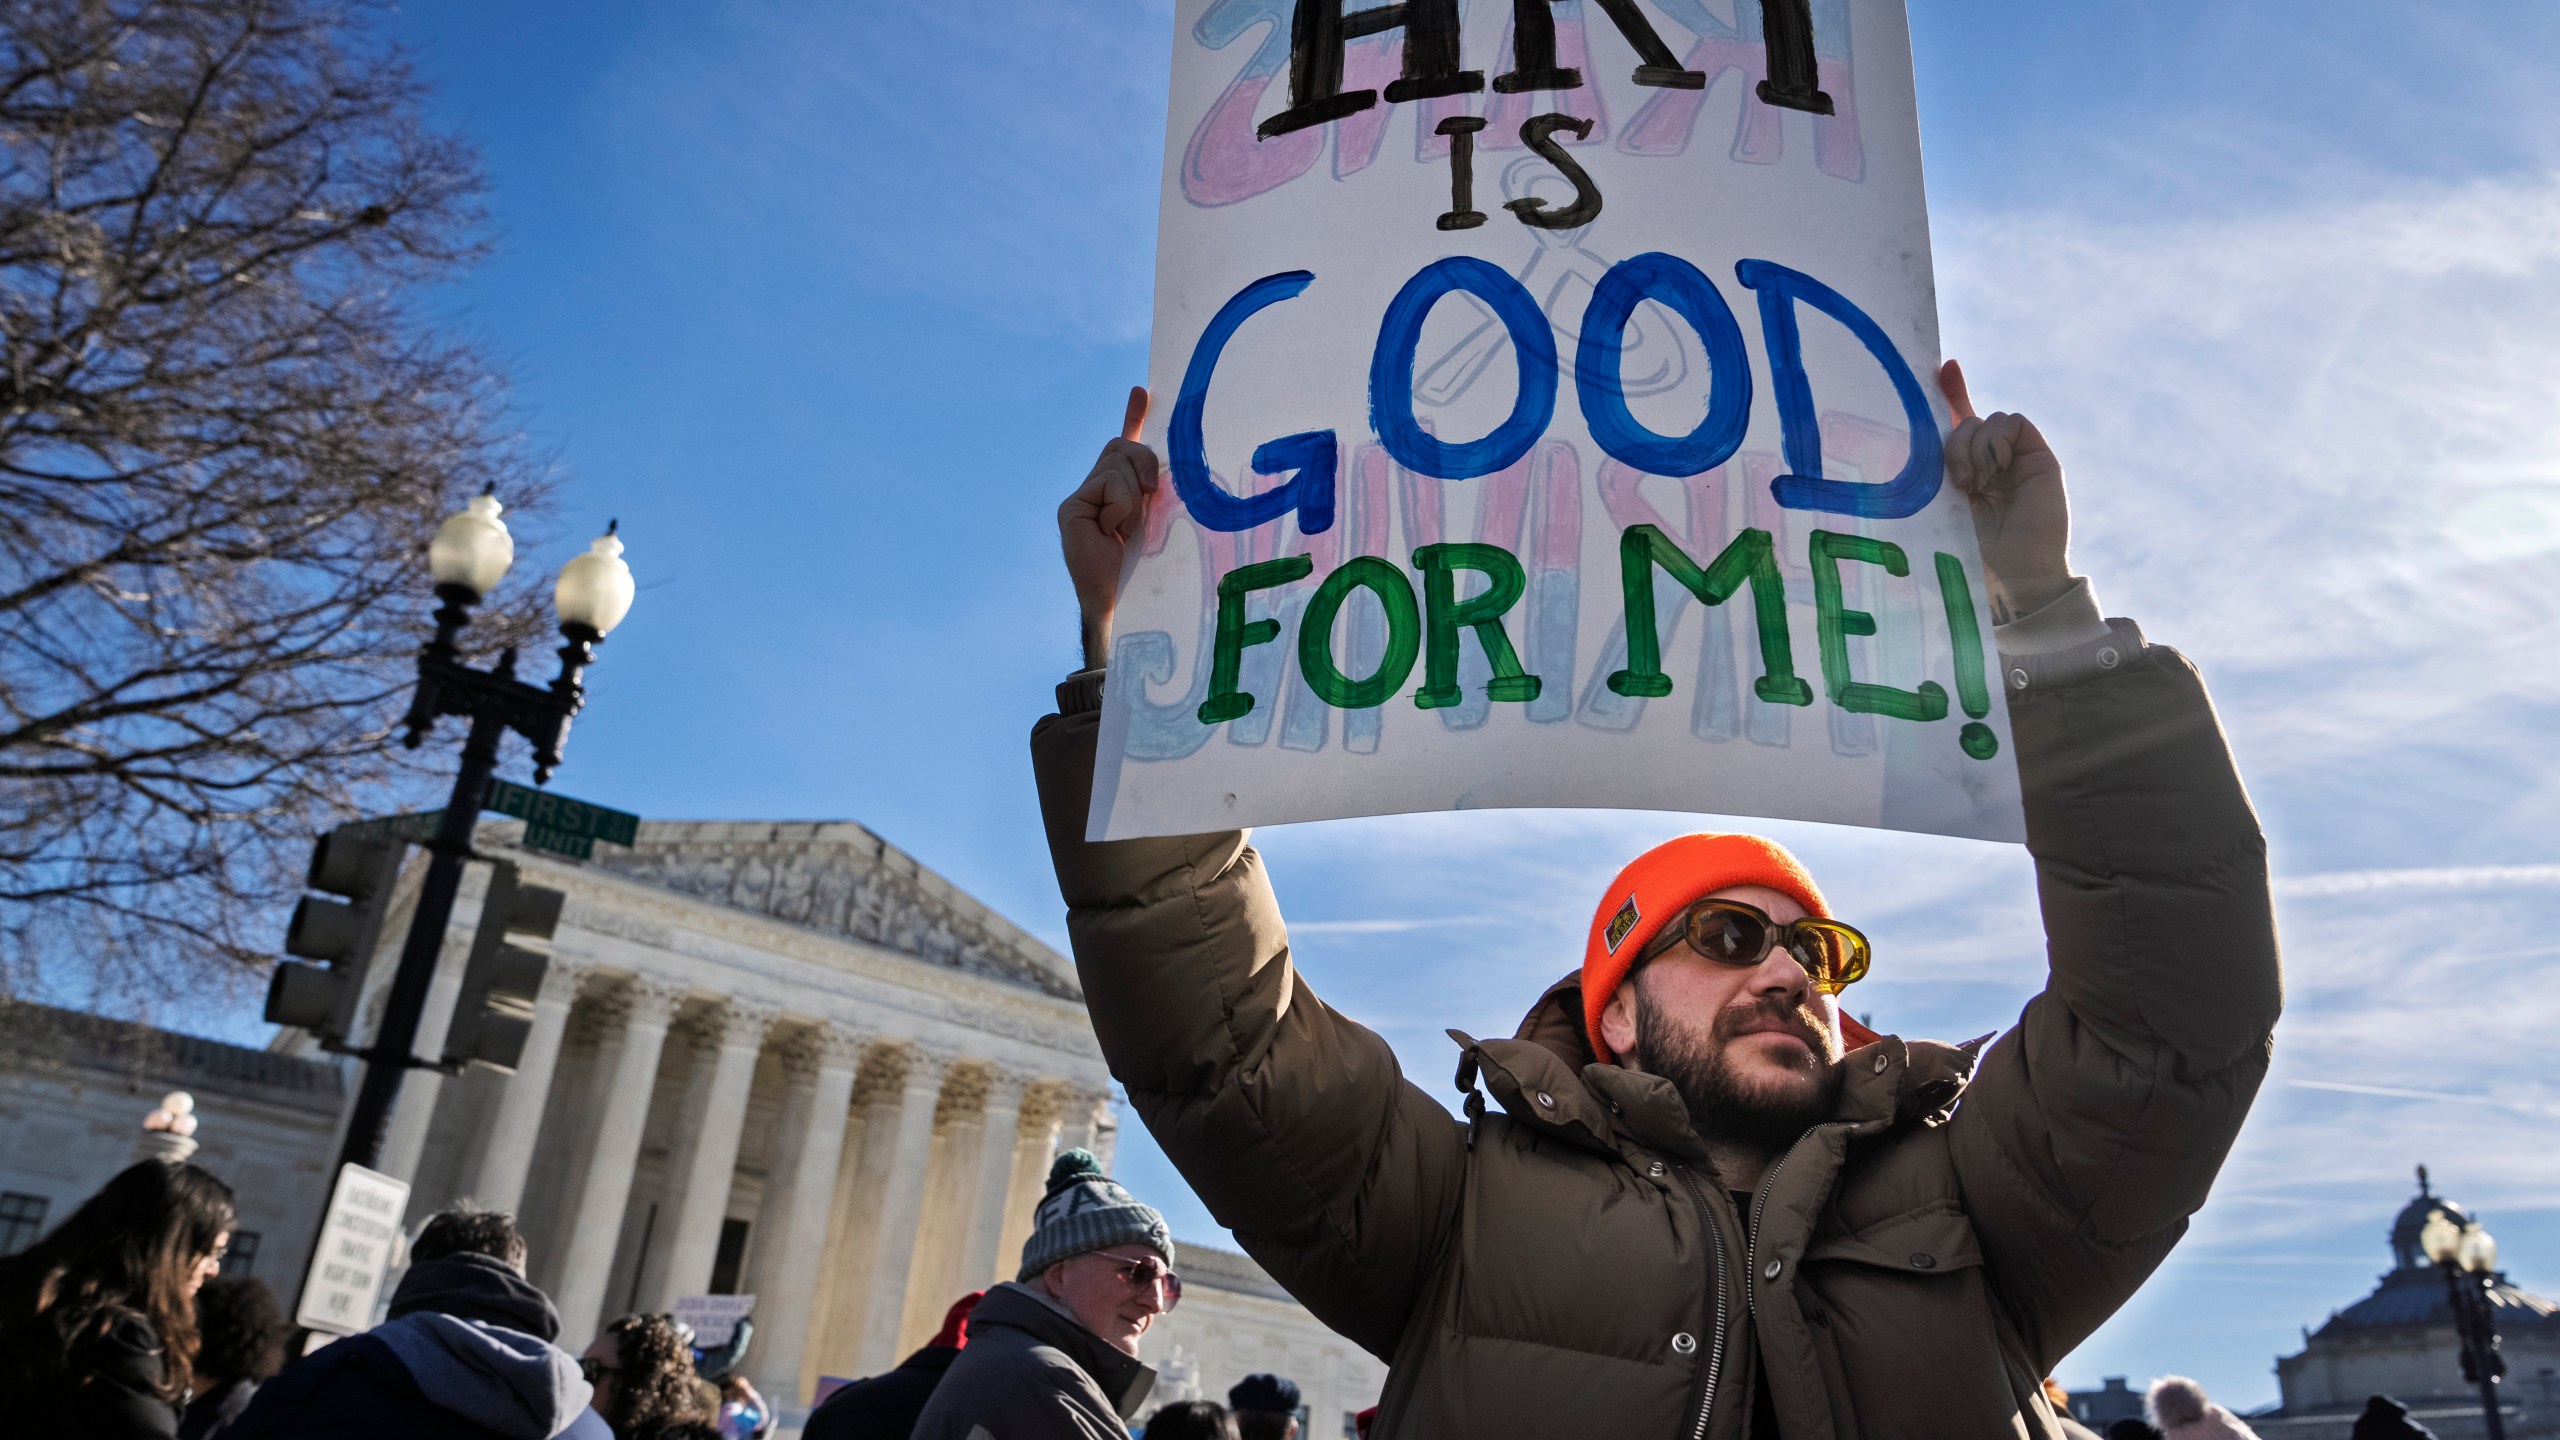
pixel 74 1089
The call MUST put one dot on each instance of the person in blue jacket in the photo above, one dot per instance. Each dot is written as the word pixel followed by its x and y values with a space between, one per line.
pixel 467 1353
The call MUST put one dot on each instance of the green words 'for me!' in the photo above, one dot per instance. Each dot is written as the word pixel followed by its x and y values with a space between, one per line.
pixel 1430 628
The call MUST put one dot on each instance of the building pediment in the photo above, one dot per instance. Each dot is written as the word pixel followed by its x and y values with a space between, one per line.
pixel 839 878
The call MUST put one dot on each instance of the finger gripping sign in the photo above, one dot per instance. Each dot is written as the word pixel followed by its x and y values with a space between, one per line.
pixel 1551 425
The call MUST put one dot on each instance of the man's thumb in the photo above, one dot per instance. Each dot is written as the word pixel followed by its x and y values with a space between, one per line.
pixel 1951 384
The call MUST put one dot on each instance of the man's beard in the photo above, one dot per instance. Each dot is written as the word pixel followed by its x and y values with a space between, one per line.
pixel 1722 1105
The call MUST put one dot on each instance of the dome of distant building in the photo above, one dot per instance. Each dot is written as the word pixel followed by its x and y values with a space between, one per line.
pixel 2400 1341
pixel 2405 1251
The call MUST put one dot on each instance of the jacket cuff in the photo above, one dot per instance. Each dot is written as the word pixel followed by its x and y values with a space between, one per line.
pixel 1081 692
pixel 2069 619
pixel 2119 645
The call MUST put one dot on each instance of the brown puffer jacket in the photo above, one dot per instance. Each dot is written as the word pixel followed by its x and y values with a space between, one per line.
pixel 1572 1266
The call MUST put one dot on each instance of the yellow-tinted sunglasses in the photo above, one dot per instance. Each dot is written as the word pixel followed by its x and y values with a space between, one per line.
pixel 1732 933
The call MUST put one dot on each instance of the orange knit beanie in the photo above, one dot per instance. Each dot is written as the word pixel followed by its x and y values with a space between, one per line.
pixel 1662 882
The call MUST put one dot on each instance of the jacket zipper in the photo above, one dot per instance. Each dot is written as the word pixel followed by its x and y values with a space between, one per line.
pixel 1751 1242
pixel 1715 1348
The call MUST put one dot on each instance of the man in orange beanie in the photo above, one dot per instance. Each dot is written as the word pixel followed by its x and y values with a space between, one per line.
pixel 1702 1203
pixel 1765 1063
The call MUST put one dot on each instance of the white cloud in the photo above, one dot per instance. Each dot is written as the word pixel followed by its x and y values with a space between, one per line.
pixel 2448 877
pixel 1380 927
pixel 2291 432
pixel 2395 1092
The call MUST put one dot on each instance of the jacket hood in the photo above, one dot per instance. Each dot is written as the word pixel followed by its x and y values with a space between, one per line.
pixel 1124 1379
pixel 127 1352
pixel 476 1287
pixel 1547 1077
pixel 516 1384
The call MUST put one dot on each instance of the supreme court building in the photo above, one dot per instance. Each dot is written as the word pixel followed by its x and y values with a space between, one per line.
pixel 788 1060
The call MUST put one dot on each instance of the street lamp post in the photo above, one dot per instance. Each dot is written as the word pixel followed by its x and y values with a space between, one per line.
pixel 2469 1259
pixel 469 556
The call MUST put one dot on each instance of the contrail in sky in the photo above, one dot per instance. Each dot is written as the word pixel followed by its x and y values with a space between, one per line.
pixel 2394 1092
pixel 2448 877
pixel 1377 927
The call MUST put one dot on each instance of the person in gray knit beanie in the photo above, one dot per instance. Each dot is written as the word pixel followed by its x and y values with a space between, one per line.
pixel 1086 1210
pixel 1054 1354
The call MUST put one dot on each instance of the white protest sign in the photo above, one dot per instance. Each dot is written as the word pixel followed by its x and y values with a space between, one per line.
pixel 359 1239
pixel 714 1318
pixel 1548 405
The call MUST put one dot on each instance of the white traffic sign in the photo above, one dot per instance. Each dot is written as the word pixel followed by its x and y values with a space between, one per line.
pixel 358 1243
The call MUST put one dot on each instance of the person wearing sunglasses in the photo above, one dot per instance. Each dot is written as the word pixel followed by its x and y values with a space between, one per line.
pixel 1691 1197
pixel 1053 1355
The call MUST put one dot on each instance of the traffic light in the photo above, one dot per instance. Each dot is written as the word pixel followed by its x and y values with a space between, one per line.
pixel 494 1012
pixel 341 933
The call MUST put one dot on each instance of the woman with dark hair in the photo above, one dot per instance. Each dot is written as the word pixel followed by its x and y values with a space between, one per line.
pixel 642 1371
pixel 98 1319
pixel 239 1343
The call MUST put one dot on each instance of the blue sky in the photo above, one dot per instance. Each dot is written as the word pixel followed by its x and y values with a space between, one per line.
pixel 828 303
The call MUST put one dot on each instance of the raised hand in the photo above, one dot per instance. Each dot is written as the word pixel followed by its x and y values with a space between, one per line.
pixel 1096 523
pixel 2021 516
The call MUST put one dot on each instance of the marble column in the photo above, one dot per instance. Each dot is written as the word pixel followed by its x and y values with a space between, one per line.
pixel 1106 1132
pixel 506 1152
pixel 853 1215
pixel 791 1231
pixel 595 1225
pixel 980 1261
pixel 893 1251
pixel 950 1201
pixel 707 1165
pixel 1089 1124
pixel 1043 1105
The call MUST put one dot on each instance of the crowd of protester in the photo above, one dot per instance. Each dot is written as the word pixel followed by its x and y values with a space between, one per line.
pixel 119 1324
pixel 1702 1034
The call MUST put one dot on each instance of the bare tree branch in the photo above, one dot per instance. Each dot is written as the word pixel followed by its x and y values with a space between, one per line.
pixel 226 432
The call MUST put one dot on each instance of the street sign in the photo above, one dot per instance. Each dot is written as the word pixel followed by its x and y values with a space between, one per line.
pixel 358 1243
pixel 560 824
pixel 558 842
pixel 420 826
pixel 555 823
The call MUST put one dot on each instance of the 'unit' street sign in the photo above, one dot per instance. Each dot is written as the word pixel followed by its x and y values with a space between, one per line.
pixel 560 824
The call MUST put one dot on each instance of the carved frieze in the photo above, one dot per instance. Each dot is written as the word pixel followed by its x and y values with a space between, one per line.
pixel 844 880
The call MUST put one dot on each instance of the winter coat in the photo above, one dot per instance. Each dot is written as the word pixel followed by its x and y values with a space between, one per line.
pixel 209 1413
pixel 466 1355
pixel 1571 1264
pixel 883 1407
pixel 1030 1372
pixel 110 1390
